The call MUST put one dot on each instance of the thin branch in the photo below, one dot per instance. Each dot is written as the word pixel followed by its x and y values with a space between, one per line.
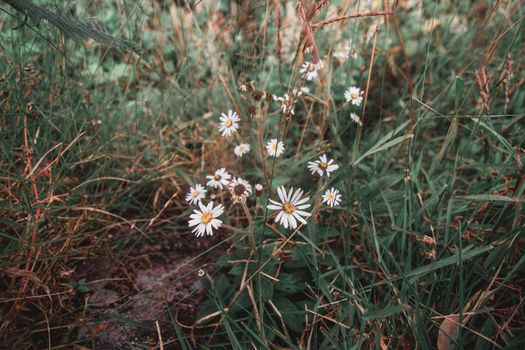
pixel 320 24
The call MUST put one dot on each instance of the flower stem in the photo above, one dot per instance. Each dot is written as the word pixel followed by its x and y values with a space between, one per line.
pixel 251 238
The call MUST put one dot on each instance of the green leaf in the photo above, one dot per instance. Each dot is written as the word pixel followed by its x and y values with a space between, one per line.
pixel 266 289
pixel 205 308
pixel 289 284
pixel 299 257
pixel 382 144
pixel 490 198
pixel 292 316
pixel 460 88
pixel 466 254
pixel 233 338
pixel 222 287
pixel 77 29
pixel 242 303
pixel 503 140
pixel 387 311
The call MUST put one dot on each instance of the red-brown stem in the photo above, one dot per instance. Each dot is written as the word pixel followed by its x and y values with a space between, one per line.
pixel 309 35
pixel 318 25
pixel 37 214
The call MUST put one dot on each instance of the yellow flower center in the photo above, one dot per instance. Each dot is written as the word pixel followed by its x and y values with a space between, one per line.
pixel 217 177
pixel 274 147
pixel 331 196
pixel 228 123
pixel 354 95
pixel 323 165
pixel 195 194
pixel 288 208
pixel 206 218
pixel 311 67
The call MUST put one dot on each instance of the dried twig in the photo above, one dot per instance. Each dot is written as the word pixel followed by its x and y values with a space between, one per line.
pixel 320 24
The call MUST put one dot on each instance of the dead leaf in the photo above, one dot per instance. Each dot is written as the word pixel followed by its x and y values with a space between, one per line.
pixel 103 298
pixel 450 324
pixel 100 327
pixel 382 343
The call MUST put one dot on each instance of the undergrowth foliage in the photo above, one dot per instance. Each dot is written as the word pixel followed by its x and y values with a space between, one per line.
pixel 265 174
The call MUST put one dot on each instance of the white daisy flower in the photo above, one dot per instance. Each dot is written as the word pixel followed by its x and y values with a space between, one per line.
pixel 332 197
pixel 240 189
pixel 274 148
pixel 205 220
pixel 355 118
pixel 229 123
pixel 241 149
pixel 345 51
pixel 258 188
pixel 219 179
pixel 354 95
pixel 291 208
pixel 195 195
pixel 323 165
pixel 287 104
pixel 342 54
pixel 309 70
pixel 304 89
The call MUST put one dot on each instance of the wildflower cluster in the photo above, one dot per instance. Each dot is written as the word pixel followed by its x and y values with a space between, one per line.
pixel 205 219
pixel 293 206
